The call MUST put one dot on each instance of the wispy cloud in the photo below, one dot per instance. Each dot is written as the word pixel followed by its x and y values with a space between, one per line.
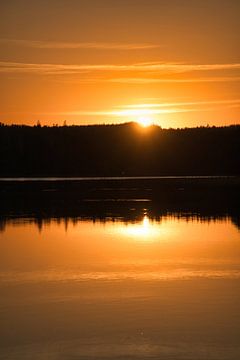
pixel 63 69
pixel 133 111
pixel 79 45
pixel 137 110
pixel 139 81
pixel 187 103
pixel 144 81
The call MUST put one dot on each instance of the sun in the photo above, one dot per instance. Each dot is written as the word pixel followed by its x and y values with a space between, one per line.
pixel 144 121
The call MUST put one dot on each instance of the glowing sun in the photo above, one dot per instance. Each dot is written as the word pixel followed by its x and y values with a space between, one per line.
pixel 144 121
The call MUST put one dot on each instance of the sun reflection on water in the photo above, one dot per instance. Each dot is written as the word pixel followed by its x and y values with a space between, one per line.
pixel 146 230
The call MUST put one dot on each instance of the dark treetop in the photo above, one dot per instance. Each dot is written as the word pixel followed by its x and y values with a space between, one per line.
pixel 118 150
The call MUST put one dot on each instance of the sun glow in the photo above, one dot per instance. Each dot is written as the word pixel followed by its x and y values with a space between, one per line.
pixel 144 121
pixel 145 230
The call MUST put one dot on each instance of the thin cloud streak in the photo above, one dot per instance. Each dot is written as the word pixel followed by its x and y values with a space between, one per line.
pixel 65 69
pixel 146 109
pixel 190 103
pixel 144 81
pixel 153 111
pixel 79 45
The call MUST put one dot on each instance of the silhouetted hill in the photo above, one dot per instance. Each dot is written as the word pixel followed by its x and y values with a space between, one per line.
pixel 115 150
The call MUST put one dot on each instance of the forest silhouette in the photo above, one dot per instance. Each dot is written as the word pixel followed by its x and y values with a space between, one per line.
pixel 118 150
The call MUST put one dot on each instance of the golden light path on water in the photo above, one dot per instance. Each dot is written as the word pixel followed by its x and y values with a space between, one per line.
pixel 94 289
pixel 76 250
pixel 145 230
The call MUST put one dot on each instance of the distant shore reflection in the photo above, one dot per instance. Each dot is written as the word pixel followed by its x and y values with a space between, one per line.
pixel 140 226
pixel 168 247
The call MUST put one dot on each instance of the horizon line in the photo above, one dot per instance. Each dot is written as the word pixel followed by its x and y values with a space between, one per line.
pixel 64 125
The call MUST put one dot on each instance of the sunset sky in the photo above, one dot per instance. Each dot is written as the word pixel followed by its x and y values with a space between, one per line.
pixel 173 62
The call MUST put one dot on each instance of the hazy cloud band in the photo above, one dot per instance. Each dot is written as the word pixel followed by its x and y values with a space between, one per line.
pixel 64 69
pixel 79 45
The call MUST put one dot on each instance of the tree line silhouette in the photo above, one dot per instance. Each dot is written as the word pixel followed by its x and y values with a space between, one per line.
pixel 118 150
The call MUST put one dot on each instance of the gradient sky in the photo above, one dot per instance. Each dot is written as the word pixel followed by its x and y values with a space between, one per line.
pixel 175 62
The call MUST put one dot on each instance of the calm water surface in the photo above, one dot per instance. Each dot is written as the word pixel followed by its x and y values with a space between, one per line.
pixel 114 289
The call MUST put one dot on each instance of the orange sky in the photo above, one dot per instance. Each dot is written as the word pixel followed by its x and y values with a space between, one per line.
pixel 174 62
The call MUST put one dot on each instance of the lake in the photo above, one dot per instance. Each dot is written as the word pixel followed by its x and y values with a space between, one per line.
pixel 119 271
